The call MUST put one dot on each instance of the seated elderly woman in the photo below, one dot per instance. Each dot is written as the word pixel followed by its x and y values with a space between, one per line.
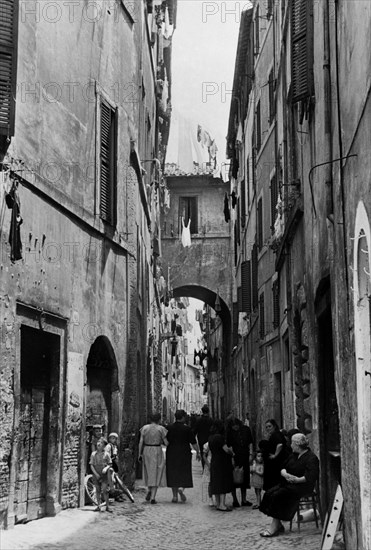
pixel 299 474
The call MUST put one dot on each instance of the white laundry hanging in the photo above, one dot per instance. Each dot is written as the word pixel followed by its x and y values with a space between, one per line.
pixel 186 233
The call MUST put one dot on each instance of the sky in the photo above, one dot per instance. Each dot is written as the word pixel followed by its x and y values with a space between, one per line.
pixel 203 58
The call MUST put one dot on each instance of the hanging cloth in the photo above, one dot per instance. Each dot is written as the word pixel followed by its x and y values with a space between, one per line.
pixel 186 233
pixel 13 202
pixel 227 215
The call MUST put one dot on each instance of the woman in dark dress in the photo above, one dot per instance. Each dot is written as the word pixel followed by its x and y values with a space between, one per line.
pixel 240 439
pixel 274 453
pixel 180 437
pixel 221 477
pixel 298 477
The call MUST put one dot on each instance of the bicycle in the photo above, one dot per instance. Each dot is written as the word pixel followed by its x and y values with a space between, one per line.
pixel 118 485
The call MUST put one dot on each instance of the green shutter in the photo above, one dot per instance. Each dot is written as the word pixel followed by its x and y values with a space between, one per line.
pixel 107 164
pixel 246 286
pixel 8 64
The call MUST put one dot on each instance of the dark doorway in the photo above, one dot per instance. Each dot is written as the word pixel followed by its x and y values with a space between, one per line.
pixel 40 358
pixel 277 398
pixel 328 410
pixel 102 381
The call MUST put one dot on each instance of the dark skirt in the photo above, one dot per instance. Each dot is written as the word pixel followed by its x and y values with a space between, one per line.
pixel 221 476
pixel 280 502
pixel 179 466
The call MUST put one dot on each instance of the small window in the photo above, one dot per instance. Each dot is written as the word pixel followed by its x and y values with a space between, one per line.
pixel 257 30
pixel 107 162
pixel 254 276
pixel 246 286
pixel 188 211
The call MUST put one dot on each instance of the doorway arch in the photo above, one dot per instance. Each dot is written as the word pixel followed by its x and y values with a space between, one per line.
pixel 102 384
pixel 362 332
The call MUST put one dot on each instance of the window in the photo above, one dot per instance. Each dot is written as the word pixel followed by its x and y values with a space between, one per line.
pixel 188 211
pixel 107 162
pixel 254 276
pixel 243 203
pixel 274 199
pixel 257 44
pixel 258 137
pixel 271 87
pixel 276 304
pixel 260 224
pixel 261 316
pixel 246 286
pixel 269 8
pixel 235 323
pixel 301 49
pixel 8 65
pixel 247 185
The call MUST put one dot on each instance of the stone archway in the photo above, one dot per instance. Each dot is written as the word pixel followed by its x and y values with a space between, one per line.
pixel 102 385
pixel 362 331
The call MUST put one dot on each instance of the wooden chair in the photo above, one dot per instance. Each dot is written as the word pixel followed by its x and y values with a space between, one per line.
pixel 311 501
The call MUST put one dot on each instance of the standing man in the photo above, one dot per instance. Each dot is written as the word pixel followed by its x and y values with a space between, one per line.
pixel 202 430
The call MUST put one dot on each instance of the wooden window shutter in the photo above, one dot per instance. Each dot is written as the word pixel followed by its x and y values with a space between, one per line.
pixel 107 164
pixel 246 286
pixel 301 49
pixel 261 316
pixel 260 224
pixel 274 199
pixel 243 203
pixel 254 276
pixel 272 106
pixel 8 64
pixel 276 304
pixel 258 128
pixel 253 165
pixel 257 31
pixel 239 298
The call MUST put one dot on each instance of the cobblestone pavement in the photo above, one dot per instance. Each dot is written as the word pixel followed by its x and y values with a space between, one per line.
pixel 162 526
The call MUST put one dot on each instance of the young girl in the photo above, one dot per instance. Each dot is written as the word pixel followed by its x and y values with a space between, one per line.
pixel 257 474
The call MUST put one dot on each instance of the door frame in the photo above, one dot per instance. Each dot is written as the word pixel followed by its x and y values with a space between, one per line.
pixel 37 318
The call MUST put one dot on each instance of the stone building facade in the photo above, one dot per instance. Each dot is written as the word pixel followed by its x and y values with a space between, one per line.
pixel 81 184
pixel 297 139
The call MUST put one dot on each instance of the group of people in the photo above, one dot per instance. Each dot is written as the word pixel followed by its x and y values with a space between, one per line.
pixel 282 469
pixel 104 465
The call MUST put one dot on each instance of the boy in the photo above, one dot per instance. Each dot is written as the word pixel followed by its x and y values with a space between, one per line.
pixel 100 463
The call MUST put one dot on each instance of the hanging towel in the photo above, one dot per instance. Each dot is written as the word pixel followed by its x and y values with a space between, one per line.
pixel 186 233
pixel 13 202
pixel 227 215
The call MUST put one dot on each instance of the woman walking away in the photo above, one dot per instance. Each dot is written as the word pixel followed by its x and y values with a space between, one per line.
pixel 221 477
pixel 239 437
pixel 179 456
pixel 275 454
pixel 152 437
pixel 298 477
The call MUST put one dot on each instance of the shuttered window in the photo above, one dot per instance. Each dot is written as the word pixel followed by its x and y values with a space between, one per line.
pixel 254 276
pixel 253 166
pixel 239 298
pixel 246 286
pixel 301 49
pixel 243 203
pixel 257 31
pixel 260 224
pixel 272 106
pixel 8 64
pixel 274 199
pixel 258 130
pixel 261 316
pixel 108 148
pixel 276 304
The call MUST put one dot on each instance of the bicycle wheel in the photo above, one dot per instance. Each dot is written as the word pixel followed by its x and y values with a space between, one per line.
pixel 90 489
pixel 123 488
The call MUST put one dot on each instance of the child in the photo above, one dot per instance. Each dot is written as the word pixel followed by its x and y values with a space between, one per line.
pixel 100 463
pixel 112 450
pixel 257 474
pixel 206 473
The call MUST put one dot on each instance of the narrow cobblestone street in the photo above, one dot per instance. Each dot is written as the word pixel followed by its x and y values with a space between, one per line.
pixel 162 526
